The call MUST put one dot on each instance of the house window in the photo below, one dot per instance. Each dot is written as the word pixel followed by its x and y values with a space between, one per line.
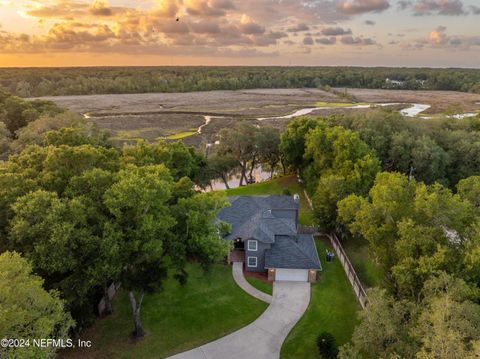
pixel 252 245
pixel 251 261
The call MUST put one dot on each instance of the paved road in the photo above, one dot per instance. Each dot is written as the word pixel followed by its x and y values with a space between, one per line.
pixel 263 338
pixel 237 271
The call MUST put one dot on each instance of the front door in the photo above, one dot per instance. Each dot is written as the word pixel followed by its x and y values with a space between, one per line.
pixel 239 244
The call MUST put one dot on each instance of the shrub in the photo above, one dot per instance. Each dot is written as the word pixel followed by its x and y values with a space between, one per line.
pixel 327 345
pixel 287 192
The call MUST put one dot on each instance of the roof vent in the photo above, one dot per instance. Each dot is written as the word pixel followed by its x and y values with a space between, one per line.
pixel 296 198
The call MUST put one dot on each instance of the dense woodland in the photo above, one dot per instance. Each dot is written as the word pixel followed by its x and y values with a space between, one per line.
pixel 77 214
pixel 411 192
pixel 33 82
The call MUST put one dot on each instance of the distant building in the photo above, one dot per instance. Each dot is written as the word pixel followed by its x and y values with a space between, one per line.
pixel 394 83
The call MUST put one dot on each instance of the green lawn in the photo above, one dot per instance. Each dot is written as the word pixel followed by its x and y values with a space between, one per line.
pixel 333 307
pixel 260 284
pixel 369 272
pixel 277 186
pixel 178 318
pixel 181 135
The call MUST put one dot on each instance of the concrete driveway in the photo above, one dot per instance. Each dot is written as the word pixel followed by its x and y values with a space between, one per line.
pixel 263 338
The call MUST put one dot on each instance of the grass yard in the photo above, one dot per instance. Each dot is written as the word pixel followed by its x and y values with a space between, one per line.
pixel 181 135
pixel 368 271
pixel 333 307
pixel 208 307
pixel 260 284
pixel 278 186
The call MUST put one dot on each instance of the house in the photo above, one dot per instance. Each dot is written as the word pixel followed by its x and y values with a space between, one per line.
pixel 394 83
pixel 265 228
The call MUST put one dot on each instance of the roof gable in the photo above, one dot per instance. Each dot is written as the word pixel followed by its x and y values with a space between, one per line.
pixel 260 217
pixel 293 252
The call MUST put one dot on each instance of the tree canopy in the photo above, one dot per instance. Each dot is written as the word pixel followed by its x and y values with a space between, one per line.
pixel 28 310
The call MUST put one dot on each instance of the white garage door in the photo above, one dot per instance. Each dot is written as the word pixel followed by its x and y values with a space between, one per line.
pixel 296 275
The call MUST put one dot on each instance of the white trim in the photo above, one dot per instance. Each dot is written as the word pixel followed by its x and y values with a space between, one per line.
pixel 248 262
pixel 248 245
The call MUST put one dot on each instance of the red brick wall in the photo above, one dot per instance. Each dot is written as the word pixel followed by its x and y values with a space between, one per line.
pixel 271 275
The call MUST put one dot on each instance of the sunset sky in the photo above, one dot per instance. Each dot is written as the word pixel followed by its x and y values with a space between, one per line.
pixel 434 33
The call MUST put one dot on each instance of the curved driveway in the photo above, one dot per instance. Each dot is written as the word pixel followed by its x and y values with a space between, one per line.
pixel 263 338
pixel 239 278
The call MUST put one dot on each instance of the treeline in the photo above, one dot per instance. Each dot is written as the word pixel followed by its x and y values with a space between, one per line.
pixel 363 176
pixel 33 82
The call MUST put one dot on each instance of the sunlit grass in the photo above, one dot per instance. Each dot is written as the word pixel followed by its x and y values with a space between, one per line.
pixel 178 136
pixel 260 284
pixel 333 308
pixel 209 306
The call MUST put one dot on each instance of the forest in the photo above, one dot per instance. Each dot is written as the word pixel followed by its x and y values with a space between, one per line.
pixel 411 192
pixel 36 82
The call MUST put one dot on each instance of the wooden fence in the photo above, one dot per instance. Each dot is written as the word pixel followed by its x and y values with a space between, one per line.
pixel 357 286
pixel 349 270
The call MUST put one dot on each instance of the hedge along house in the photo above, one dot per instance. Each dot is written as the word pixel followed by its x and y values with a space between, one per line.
pixel 265 228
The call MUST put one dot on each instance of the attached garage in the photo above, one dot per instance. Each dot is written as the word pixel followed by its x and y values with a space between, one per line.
pixel 294 275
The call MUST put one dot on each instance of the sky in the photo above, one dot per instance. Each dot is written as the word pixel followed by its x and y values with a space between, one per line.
pixel 410 33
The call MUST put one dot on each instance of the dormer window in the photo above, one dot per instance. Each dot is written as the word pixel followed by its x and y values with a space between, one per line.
pixel 252 245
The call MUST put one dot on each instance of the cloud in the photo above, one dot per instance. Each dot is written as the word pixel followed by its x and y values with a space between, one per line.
pixel 204 26
pixel 439 7
pixel 438 36
pixel 100 8
pixel 475 9
pixel 60 10
pixel 354 7
pixel 298 28
pixel 248 26
pixel 369 22
pixel 326 40
pixel 404 4
pixel 335 31
pixel 440 39
pixel 307 40
pixel 357 41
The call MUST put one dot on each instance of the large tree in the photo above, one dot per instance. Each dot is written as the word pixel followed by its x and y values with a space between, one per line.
pixel 443 322
pixel 414 230
pixel 222 166
pixel 56 235
pixel 28 310
pixel 268 143
pixel 240 143
pixel 138 200
pixel 338 163
pixel 293 139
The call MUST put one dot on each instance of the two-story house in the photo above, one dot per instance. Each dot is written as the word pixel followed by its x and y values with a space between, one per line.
pixel 266 229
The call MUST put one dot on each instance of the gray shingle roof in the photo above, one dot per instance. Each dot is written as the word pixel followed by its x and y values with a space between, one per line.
pixel 293 252
pixel 260 217
pixel 272 219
